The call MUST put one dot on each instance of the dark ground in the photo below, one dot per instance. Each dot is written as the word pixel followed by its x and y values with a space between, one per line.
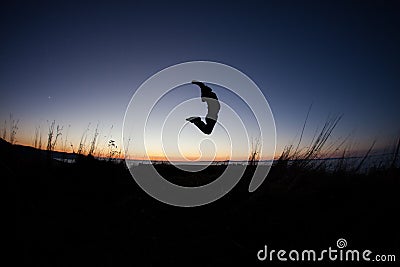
pixel 92 213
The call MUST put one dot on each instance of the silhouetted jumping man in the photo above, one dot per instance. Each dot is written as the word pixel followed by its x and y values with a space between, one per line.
pixel 213 106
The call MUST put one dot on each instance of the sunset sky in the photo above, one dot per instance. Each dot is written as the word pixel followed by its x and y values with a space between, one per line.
pixel 79 62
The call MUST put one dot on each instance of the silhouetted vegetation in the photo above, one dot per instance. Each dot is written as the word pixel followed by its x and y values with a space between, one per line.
pixel 53 136
pixel 255 147
pixel 12 125
pixel 92 213
pixel 87 211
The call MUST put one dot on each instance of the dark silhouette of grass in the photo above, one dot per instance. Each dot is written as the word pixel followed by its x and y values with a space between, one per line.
pixel 12 126
pixel 92 213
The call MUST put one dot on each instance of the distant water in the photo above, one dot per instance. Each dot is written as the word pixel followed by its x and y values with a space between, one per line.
pixel 378 160
pixel 238 162
pixel 349 163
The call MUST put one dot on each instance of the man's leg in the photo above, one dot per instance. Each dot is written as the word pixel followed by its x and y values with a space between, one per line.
pixel 205 127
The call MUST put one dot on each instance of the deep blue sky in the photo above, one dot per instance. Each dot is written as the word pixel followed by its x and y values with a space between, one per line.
pixel 81 62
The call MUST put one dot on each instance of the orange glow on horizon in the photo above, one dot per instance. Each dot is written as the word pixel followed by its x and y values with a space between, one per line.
pixel 104 153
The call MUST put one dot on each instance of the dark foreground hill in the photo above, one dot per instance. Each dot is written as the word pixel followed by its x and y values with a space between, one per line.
pixel 92 213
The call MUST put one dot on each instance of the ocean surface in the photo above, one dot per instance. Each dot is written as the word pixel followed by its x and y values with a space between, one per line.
pixel 349 163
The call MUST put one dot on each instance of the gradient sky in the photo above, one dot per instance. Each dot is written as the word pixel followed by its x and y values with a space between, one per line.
pixel 80 62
